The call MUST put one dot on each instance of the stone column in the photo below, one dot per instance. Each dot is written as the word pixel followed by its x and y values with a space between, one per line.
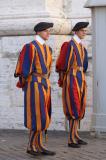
pixel 98 9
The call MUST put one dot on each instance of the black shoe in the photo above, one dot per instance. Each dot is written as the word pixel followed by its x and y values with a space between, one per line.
pixel 74 145
pixel 47 152
pixel 81 142
pixel 32 152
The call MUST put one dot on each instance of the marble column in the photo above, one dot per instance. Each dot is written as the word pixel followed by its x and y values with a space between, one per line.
pixel 98 9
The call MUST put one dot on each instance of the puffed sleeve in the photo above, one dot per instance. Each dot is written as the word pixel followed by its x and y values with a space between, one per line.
pixel 60 63
pixel 24 65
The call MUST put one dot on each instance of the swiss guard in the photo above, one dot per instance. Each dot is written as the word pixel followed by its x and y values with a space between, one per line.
pixel 72 65
pixel 33 70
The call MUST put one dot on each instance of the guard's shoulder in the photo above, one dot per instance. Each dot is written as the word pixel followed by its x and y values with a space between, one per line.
pixel 65 44
pixel 27 45
pixel 64 47
pixel 26 48
pixel 30 46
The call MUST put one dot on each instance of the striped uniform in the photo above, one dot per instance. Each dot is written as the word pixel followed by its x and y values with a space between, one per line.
pixel 72 64
pixel 33 69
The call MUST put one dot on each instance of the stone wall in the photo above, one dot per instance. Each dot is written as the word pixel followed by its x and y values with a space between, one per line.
pixel 16 29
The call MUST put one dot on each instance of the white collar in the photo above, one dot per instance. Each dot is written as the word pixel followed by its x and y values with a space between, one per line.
pixel 39 39
pixel 77 39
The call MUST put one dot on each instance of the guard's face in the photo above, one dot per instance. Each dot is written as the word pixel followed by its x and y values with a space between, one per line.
pixel 45 34
pixel 81 33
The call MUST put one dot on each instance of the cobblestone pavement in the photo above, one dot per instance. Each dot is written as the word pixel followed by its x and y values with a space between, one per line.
pixel 13 147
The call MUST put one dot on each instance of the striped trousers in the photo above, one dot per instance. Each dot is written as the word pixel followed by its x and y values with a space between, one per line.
pixel 36 141
pixel 73 133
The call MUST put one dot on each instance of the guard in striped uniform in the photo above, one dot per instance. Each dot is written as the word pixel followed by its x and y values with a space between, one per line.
pixel 33 69
pixel 71 65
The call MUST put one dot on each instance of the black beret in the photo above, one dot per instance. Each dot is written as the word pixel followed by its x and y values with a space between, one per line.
pixel 80 25
pixel 42 26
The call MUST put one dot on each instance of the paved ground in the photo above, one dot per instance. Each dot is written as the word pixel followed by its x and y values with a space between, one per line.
pixel 13 147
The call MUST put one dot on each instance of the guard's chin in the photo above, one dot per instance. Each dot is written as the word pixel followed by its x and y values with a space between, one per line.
pixel 82 37
pixel 46 39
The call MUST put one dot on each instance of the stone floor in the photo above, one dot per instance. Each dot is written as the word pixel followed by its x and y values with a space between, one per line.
pixel 13 147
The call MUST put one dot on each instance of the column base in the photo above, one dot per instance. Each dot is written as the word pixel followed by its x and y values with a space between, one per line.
pixel 98 123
